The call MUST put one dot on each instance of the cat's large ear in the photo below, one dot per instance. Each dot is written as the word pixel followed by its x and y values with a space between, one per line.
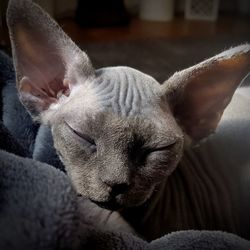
pixel 198 95
pixel 46 60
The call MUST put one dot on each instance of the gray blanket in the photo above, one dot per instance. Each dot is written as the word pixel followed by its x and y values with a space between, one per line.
pixel 39 209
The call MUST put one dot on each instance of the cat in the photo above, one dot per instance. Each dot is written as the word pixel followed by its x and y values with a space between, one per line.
pixel 121 135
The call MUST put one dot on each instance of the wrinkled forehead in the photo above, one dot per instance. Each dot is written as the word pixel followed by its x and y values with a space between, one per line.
pixel 125 91
pixel 119 96
pixel 121 92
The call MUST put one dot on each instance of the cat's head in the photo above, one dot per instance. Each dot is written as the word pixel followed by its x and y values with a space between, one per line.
pixel 117 130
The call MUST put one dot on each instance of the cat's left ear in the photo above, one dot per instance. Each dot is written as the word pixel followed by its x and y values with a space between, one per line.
pixel 198 95
pixel 47 62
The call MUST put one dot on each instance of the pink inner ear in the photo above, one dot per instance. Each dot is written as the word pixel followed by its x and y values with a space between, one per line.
pixel 45 93
pixel 208 89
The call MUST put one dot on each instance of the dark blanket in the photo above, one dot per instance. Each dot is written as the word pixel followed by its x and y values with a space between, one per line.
pixel 39 210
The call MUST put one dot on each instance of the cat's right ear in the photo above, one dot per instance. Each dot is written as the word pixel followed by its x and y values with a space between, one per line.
pixel 199 95
pixel 46 60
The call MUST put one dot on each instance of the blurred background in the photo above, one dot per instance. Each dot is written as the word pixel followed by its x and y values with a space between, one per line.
pixel 157 37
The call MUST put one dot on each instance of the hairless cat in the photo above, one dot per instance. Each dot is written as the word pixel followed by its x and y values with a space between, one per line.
pixel 126 140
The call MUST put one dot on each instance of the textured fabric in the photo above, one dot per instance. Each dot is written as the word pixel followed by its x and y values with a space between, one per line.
pixel 38 210
pixel 15 117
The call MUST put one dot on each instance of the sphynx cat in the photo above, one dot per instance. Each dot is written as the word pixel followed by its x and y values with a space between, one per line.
pixel 126 140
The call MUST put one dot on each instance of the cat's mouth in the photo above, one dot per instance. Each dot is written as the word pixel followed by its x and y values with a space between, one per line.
pixel 122 201
pixel 110 204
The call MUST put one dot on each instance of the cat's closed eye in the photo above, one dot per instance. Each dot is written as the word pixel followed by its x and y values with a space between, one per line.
pixel 85 139
pixel 141 155
pixel 160 148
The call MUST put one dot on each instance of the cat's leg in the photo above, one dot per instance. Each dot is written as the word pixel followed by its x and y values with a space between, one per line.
pixel 103 219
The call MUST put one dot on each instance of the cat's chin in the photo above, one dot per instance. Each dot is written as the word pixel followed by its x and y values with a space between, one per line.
pixel 121 202
pixel 114 205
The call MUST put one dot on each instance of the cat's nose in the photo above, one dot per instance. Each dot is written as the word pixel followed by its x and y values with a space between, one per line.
pixel 118 188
